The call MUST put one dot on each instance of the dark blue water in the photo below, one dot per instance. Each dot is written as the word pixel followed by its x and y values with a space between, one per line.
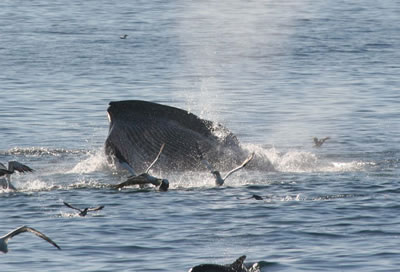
pixel 276 74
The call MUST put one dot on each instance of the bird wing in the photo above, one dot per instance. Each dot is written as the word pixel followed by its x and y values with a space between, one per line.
pixel 17 166
pixel 4 172
pixel 326 138
pixel 41 235
pixel 95 209
pixel 36 232
pixel 2 166
pixel 246 161
pixel 156 159
pixel 137 180
pixel 72 207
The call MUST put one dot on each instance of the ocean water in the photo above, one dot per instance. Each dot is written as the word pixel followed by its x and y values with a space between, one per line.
pixel 276 74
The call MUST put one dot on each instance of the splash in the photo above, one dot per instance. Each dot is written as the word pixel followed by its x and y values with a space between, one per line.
pixel 300 161
pixel 36 185
pixel 96 161
pixel 39 151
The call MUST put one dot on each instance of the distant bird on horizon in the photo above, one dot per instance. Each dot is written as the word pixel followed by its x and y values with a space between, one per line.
pixel 4 239
pixel 7 172
pixel 85 210
pixel 123 36
pixel 320 142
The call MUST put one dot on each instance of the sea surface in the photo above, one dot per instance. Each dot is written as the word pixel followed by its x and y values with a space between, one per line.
pixel 276 73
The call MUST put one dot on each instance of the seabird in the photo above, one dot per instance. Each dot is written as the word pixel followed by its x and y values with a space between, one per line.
pixel 123 37
pixel 7 172
pixel 257 197
pixel 219 180
pixel 319 142
pixel 145 178
pixel 85 210
pixel 4 239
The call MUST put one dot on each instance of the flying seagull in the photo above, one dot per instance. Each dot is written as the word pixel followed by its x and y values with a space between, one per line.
pixel 85 210
pixel 219 180
pixel 7 172
pixel 145 178
pixel 4 239
pixel 320 142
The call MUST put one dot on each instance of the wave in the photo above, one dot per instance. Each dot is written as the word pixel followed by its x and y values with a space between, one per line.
pixel 40 151
pixel 65 169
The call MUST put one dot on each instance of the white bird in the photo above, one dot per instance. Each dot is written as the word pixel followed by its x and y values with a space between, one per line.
pixel 219 180
pixel 7 172
pixel 4 239
pixel 123 37
pixel 85 210
pixel 144 178
pixel 320 142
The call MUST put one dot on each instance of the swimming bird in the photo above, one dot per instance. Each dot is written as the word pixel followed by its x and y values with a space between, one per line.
pixel 320 142
pixel 4 239
pixel 237 266
pixel 85 210
pixel 256 197
pixel 123 36
pixel 219 180
pixel 7 172
pixel 144 178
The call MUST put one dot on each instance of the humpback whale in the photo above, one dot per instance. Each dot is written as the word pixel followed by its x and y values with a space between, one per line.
pixel 4 239
pixel 237 266
pixel 138 128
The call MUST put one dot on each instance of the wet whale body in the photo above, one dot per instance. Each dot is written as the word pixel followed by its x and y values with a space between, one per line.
pixel 138 129
pixel 237 266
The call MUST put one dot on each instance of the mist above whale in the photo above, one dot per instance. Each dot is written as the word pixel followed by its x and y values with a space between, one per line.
pixel 138 129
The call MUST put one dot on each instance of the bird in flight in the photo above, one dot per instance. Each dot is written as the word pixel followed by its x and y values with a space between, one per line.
pixel 4 239
pixel 85 210
pixel 7 172
pixel 219 180
pixel 320 142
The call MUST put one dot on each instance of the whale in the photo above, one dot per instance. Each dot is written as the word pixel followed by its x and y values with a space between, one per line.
pixel 237 266
pixel 138 128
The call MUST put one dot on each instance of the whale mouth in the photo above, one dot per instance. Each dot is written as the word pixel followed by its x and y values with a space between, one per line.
pixel 139 128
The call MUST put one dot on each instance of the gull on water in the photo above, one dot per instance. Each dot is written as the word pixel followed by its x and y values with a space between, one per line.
pixel 123 36
pixel 219 180
pixel 320 142
pixel 85 210
pixel 4 239
pixel 144 178
pixel 13 166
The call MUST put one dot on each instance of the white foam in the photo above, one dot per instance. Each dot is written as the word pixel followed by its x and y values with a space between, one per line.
pixel 300 161
pixel 95 162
